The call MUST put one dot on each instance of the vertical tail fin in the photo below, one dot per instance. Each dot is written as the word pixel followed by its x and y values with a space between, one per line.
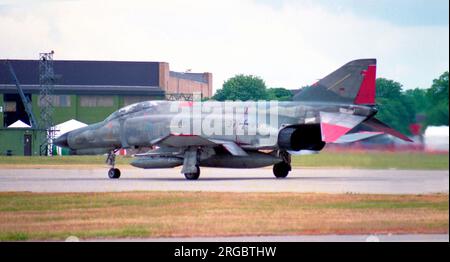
pixel 366 93
pixel 353 83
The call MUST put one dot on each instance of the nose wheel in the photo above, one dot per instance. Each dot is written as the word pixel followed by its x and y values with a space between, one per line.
pixel 114 173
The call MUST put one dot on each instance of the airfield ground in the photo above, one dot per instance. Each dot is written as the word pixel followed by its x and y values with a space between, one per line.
pixel 380 206
pixel 356 159
pixel 26 216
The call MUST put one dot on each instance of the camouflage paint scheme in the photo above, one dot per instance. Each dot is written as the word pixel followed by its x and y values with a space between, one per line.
pixel 340 108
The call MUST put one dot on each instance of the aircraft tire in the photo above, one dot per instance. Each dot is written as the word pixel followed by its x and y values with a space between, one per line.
pixel 281 170
pixel 193 176
pixel 114 173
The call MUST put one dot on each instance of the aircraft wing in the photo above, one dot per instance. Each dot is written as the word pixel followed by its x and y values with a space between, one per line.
pixel 173 140
pixel 162 151
pixel 231 147
pixel 183 141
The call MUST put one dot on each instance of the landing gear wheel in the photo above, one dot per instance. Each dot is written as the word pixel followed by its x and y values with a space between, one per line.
pixel 281 170
pixel 114 173
pixel 193 176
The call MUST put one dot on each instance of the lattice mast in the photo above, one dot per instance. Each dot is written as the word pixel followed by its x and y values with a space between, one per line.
pixel 46 82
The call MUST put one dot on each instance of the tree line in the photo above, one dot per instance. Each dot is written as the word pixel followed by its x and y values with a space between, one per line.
pixel 397 107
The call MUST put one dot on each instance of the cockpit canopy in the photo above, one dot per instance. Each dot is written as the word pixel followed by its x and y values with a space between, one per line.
pixel 130 109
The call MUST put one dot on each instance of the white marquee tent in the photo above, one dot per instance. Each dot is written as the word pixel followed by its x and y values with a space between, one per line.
pixel 19 124
pixel 65 127
pixel 68 126
pixel 435 138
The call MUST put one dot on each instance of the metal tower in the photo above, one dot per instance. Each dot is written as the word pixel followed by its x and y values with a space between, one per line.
pixel 46 82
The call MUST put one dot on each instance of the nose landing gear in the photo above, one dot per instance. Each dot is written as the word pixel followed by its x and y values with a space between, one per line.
pixel 113 173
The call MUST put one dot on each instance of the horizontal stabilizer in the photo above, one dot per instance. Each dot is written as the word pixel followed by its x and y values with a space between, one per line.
pixel 335 125
pixel 376 125
pixel 353 137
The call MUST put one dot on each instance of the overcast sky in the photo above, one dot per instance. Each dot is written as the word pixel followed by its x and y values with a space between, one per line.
pixel 287 43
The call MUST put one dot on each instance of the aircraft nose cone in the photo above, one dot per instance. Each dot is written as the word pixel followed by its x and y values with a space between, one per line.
pixel 61 140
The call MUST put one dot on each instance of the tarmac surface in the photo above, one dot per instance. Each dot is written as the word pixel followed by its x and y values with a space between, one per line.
pixel 227 180
pixel 303 238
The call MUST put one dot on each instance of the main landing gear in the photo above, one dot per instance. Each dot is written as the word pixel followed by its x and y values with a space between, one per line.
pixel 113 173
pixel 193 176
pixel 281 170
pixel 191 169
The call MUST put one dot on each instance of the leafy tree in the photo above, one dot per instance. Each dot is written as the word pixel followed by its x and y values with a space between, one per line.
pixel 242 87
pixel 279 93
pixel 396 109
pixel 387 88
pixel 437 95
pixel 419 98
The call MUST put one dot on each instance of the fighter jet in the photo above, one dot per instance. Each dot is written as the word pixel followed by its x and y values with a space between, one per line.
pixel 339 108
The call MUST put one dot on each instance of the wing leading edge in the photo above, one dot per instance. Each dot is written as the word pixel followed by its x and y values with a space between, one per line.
pixel 184 141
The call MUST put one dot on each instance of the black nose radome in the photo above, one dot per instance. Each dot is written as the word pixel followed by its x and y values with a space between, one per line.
pixel 61 140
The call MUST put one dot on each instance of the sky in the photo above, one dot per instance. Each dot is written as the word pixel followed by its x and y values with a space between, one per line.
pixel 288 43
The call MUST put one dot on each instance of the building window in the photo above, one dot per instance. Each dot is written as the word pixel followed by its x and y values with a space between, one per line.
pixel 64 101
pixel 128 100
pixel 56 100
pixel 10 106
pixel 88 101
pixel 105 101
pixel 96 101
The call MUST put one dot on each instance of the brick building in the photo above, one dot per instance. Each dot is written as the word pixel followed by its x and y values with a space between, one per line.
pixel 88 91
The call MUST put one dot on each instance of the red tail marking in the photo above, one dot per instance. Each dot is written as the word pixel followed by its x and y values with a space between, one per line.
pixel 366 93
pixel 331 133
pixel 186 104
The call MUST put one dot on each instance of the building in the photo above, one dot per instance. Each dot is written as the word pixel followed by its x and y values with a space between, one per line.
pixel 87 91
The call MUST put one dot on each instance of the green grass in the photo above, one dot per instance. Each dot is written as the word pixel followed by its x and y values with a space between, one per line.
pixel 129 231
pixel 42 202
pixel 388 204
pixel 13 236
pixel 60 160
pixel 351 159
pixel 374 160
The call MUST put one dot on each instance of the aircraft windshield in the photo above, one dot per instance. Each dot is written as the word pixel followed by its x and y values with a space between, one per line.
pixel 131 109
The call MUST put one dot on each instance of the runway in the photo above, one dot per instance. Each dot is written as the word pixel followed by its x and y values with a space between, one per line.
pixel 227 180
